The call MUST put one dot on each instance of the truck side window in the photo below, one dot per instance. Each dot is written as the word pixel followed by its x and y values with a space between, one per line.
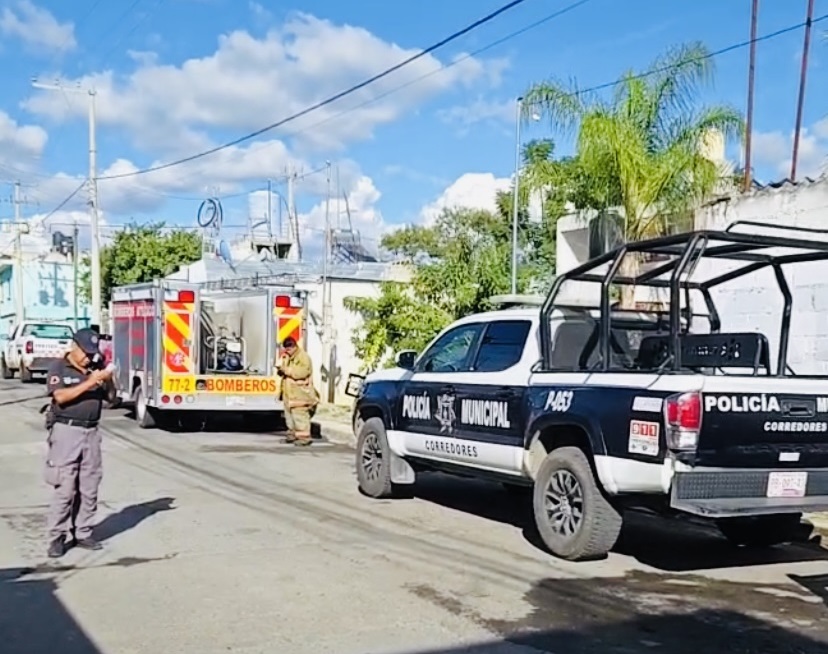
pixel 502 345
pixel 450 353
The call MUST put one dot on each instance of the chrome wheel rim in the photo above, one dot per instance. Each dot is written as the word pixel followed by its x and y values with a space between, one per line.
pixel 564 502
pixel 371 457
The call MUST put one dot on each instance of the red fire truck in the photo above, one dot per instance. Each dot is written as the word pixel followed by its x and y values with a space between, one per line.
pixel 185 352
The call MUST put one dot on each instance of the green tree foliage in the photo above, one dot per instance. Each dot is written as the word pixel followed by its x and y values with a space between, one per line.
pixel 458 263
pixel 142 253
pixel 641 149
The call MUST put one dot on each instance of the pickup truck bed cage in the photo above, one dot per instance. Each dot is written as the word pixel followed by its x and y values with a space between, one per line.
pixel 675 258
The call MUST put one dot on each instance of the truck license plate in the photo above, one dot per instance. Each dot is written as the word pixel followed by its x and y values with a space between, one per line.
pixel 787 484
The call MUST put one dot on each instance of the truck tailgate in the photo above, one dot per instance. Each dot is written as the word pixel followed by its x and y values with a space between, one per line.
pixel 764 423
pixel 47 348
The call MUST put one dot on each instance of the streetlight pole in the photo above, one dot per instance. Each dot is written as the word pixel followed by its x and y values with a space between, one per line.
pixel 518 111
pixel 19 301
pixel 94 225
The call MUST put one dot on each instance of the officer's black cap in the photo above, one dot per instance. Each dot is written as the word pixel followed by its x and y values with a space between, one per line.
pixel 87 340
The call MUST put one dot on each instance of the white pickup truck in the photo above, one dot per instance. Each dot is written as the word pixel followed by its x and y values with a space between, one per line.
pixel 32 346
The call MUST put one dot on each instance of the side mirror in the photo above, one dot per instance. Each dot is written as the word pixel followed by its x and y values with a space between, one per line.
pixel 406 359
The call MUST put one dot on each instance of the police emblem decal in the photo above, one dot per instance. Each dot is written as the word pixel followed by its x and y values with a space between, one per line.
pixel 445 413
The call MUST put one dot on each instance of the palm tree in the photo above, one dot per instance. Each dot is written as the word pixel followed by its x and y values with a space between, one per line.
pixel 641 150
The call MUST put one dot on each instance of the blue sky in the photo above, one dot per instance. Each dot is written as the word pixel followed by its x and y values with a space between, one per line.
pixel 174 77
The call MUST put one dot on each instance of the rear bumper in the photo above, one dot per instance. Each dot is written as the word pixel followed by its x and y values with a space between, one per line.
pixel 743 492
pixel 39 364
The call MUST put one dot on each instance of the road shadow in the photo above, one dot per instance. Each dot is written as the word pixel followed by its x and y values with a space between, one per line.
pixel 666 544
pixel 645 612
pixel 816 584
pixel 34 621
pixel 714 632
pixel 130 517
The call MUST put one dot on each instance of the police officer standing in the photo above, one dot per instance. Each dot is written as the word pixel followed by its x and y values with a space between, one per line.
pixel 78 388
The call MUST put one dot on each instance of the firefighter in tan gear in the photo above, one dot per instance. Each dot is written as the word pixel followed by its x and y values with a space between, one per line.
pixel 298 392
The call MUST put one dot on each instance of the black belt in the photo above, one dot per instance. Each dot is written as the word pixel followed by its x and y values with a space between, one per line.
pixel 74 422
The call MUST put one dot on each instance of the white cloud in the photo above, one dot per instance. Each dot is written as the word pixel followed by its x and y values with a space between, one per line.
pixel 37 28
pixel 20 141
pixel 774 149
pixel 471 190
pixel 491 113
pixel 249 81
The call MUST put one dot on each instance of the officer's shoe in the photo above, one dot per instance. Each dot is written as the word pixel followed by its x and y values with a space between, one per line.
pixel 57 548
pixel 88 543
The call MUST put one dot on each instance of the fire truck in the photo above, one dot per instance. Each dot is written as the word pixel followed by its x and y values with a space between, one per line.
pixel 187 352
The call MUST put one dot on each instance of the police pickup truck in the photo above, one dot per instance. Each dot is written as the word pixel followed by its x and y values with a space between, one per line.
pixel 601 409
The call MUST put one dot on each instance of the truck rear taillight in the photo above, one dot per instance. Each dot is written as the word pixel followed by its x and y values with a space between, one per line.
pixel 682 419
pixel 286 301
pixel 29 347
pixel 186 296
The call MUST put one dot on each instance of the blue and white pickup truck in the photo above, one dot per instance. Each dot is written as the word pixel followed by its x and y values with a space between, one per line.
pixel 601 409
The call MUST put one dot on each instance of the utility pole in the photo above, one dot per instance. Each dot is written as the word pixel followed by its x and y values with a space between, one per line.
pixel 802 75
pixel 75 273
pixel 754 15
pixel 327 340
pixel 19 301
pixel 95 254
pixel 293 219
pixel 518 108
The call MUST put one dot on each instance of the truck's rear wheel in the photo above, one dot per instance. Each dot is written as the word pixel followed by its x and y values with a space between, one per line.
pixel 26 376
pixel 143 413
pixel 373 460
pixel 763 530
pixel 5 371
pixel 573 517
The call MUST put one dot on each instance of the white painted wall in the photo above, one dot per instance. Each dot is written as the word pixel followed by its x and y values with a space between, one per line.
pixel 754 303
pixel 343 324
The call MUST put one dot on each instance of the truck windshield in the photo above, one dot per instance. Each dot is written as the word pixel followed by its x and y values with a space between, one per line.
pixel 60 332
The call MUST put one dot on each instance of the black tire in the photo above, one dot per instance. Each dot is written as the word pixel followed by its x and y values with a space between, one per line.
pixel 144 415
pixel 597 531
pixel 373 460
pixel 763 530
pixel 5 371
pixel 26 376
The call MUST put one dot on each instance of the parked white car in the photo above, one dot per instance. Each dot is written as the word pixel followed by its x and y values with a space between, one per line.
pixel 32 346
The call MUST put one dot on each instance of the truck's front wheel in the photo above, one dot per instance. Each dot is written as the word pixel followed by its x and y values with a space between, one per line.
pixel 573 517
pixel 5 371
pixel 763 530
pixel 373 460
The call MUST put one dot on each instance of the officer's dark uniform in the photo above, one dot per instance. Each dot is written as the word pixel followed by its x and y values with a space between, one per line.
pixel 74 462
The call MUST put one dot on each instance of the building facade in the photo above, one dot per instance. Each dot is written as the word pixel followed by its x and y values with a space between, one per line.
pixel 48 292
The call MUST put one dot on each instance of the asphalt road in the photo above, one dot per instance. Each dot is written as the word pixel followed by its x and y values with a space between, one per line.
pixel 231 542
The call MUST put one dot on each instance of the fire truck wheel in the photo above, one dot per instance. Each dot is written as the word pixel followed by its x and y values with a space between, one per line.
pixel 143 413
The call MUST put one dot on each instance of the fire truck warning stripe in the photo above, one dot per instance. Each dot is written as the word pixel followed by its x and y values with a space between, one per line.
pixel 179 322
pixel 290 327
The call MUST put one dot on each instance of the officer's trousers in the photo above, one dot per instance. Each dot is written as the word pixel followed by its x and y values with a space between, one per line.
pixel 73 466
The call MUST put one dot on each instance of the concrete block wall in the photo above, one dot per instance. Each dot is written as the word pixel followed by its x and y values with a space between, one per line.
pixel 754 303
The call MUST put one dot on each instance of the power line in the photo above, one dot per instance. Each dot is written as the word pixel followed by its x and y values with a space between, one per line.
pixel 454 62
pixel 454 36
pixel 709 55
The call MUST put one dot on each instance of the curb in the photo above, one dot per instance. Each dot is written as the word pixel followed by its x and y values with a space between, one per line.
pixel 334 431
